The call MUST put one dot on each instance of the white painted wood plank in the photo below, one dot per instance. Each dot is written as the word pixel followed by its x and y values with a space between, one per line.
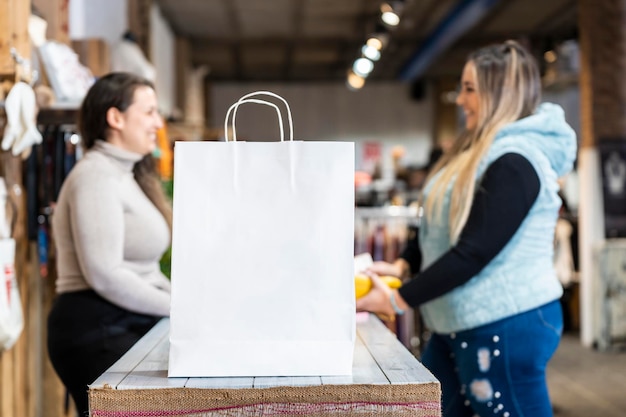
pixel 398 364
pixel 221 382
pixel 286 381
pixel 118 371
pixel 365 370
pixel 379 358
pixel 337 380
pixel 151 372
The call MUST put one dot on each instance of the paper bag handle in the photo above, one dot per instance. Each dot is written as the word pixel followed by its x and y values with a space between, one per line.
pixel 233 109
pixel 269 93
pixel 246 99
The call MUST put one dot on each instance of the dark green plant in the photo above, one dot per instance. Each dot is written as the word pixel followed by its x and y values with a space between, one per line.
pixel 166 259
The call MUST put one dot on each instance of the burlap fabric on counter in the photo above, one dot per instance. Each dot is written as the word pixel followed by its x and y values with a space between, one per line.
pixel 412 400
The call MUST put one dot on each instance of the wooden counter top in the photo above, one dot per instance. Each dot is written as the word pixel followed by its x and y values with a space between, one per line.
pixel 387 380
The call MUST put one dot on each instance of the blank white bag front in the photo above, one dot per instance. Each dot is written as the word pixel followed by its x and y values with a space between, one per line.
pixel 262 259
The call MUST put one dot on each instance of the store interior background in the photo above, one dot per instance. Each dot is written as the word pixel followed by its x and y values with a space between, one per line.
pixel 302 50
pixel 207 54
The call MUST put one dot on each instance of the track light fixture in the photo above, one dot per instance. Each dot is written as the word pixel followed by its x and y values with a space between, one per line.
pixel 354 82
pixel 388 15
pixel 391 11
pixel 370 52
pixel 375 43
pixel 363 67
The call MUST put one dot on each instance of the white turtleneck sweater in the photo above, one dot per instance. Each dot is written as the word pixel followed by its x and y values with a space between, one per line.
pixel 109 236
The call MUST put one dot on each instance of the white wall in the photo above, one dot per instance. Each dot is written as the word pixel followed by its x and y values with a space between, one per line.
pixel 380 112
pixel 106 19
pixel 162 43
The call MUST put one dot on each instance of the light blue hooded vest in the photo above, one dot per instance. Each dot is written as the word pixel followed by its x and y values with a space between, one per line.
pixel 521 277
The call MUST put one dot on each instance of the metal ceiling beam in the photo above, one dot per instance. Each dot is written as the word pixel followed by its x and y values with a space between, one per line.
pixel 235 24
pixel 465 15
pixel 297 20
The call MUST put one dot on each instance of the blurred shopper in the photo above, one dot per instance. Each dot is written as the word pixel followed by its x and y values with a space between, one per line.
pixel 488 290
pixel 111 225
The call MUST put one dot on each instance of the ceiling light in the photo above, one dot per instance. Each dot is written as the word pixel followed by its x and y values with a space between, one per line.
pixel 390 18
pixel 379 37
pixel 363 67
pixel 375 42
pixel 370 52
pixel 390 12
pixel 386 7
pixel 355 82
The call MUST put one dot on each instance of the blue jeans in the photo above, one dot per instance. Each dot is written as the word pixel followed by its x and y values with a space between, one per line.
pixel 498 369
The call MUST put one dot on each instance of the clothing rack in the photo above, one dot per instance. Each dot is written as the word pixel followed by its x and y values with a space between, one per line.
pixel 384 231
pixel 44 172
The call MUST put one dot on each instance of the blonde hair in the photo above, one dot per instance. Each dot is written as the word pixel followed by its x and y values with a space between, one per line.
pixel 508 88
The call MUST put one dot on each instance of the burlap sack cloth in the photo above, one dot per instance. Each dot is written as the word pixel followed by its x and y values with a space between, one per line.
pixel 414 400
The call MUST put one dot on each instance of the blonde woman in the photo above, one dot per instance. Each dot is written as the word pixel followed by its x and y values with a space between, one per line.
pixel 488 290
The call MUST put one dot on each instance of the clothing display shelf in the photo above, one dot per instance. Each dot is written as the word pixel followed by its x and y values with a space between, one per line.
pixel 44 171
pixel 384 231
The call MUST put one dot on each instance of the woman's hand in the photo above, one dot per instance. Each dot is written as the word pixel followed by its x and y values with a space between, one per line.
pixel 385 268
pixel 377 299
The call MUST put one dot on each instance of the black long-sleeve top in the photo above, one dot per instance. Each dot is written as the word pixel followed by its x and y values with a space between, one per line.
pixel 503 198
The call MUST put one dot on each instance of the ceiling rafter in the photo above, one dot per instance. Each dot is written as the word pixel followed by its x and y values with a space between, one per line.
pixel 297 21
pixel 320 39
pixel 235 25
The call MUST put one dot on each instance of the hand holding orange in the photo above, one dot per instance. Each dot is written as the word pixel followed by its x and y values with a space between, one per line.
pixel 363 283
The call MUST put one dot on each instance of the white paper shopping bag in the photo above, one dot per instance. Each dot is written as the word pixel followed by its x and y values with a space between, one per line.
pixel 262 257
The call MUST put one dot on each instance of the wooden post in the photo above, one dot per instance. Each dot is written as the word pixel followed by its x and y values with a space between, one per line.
pixel 13 33
pixel 55 13
pixel 28 386
pixel 603 100
pixel 183 64
pixel 16 382
pixel 139 23
pixel 14 364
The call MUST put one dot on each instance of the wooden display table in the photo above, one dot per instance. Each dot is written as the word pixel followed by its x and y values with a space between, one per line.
pixel 387 380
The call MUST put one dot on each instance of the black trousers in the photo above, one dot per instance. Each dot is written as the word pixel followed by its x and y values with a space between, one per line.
pixel 86 335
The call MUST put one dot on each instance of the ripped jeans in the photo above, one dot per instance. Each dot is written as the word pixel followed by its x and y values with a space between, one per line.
pixel 498 369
